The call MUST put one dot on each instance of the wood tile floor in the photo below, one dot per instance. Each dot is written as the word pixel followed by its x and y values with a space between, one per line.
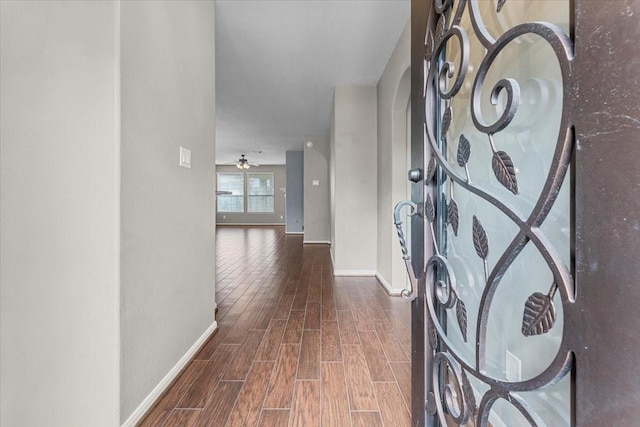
pixel 294 346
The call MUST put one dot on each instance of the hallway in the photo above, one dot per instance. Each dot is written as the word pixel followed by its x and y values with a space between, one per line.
pixel 294 346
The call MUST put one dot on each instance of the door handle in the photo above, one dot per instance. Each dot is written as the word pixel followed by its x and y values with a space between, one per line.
pixel 415 175
pixel 412 293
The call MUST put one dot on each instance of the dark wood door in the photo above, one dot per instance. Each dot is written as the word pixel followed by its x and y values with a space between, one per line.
pixel 526 171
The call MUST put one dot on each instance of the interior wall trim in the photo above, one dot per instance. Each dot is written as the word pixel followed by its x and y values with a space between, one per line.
pixel 249 224
pixel 158 390
pixel 294 232
pixel 354 273
pixel 316 242
pixel 333 261
pixel 394 292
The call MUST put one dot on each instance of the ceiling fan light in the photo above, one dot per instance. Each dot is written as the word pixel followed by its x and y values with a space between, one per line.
pixel 246 166
pixel 238 165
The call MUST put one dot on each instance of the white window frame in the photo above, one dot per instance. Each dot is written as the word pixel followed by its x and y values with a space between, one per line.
pixel 273 194
pixel 244 192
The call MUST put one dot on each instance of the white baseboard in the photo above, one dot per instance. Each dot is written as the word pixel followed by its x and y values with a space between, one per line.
pixel 148 402
pixel 394 292
pixel 248 224
pixel 368 273
pixel 316 242
pixel 294 232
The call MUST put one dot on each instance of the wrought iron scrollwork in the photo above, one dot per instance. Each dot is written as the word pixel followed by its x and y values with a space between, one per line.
pixel 443 81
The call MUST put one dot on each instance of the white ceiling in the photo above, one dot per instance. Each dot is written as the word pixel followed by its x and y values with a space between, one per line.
pixel 277 63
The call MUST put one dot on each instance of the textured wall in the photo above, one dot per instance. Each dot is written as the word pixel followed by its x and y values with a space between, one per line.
pixel 317 214
pixel 394 88
pixel 355 198
pixel 168 212
pixel 59 227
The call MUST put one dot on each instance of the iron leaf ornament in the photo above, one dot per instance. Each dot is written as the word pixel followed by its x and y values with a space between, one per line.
pixel 441 26
pixel 539 315
pixel 431 405
pixel 429 47
pixel 431 170
pixel 464 151
pixel 461 315
pixel 505 171
pixel 453 216
pixel 470 398
pixel 480 241
pixel 500 5
pixel 446 122
pixel 433 337
pixel 429 209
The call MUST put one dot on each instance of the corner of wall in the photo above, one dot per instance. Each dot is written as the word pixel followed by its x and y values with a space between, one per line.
pixel 355 183
pixel 394 292
pixel 317 211
pixel 148 402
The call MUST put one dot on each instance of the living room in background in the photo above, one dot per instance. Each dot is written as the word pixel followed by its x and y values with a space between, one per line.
pixel 263 201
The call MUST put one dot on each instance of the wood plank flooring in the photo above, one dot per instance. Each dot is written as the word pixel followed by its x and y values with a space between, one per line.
pixel 294 346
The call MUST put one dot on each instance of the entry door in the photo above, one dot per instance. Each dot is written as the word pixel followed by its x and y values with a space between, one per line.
pixel 508 283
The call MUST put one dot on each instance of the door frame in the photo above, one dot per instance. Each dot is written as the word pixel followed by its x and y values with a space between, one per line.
pixel 605 178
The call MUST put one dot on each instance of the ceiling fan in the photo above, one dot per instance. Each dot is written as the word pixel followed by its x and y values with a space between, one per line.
pixel 244 163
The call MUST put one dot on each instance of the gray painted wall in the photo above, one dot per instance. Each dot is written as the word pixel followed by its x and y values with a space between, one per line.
pixel 295 191
pixel 394 89
pixel 317 212
pixel 102 235
pixel 277 217
pixel 59 202
pixel 168 251
pixel 354 156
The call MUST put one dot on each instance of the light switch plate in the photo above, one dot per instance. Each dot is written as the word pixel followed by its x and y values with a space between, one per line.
pixel 185 158
pixel 315 182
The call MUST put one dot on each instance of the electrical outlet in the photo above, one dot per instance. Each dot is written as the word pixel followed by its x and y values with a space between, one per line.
pixel 513 367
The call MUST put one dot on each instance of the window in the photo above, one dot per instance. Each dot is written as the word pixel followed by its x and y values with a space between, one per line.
pixel 233 182
pixel 260 195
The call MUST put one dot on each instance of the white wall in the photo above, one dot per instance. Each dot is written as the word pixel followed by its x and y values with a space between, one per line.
pixel 354 222
pixel 59 227
pixel 168 212
pixel 277 217
pixel 317 213
pixel 394 89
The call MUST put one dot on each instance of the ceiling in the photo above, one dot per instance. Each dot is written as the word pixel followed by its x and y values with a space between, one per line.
pixel 277 63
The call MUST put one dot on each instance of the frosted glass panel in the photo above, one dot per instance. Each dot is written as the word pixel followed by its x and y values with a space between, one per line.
pixel 495 87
